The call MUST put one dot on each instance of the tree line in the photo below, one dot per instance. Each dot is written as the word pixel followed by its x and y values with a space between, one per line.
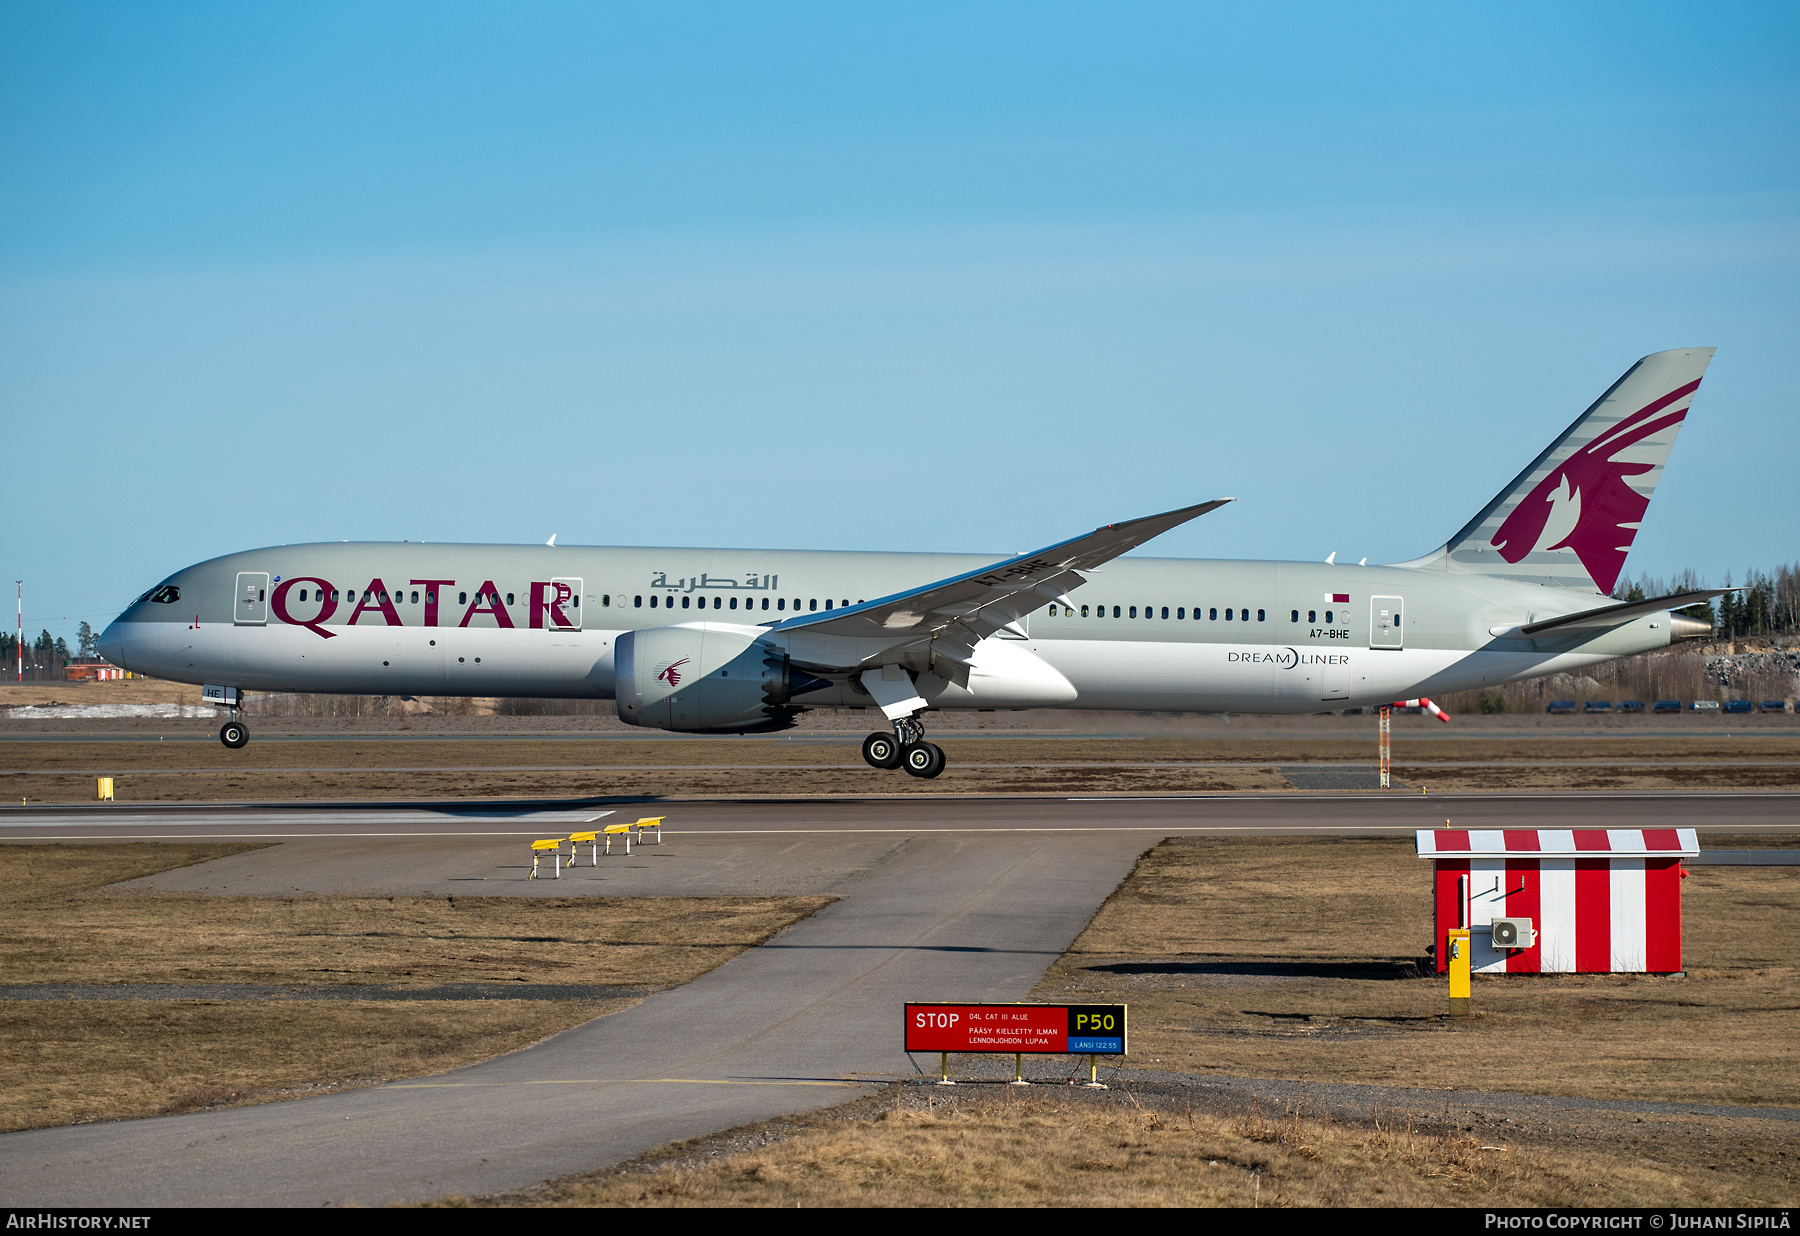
pixel 1766 603
pixel 49 654
pixel 43 653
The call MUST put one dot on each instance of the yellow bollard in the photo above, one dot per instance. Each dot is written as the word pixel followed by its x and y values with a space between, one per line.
pixel 1459 971
pixel 106 791
pixel 551 848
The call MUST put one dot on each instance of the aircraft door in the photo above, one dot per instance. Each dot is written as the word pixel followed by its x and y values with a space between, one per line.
pixel 250 604
pixel 564 612
pixel 1386 615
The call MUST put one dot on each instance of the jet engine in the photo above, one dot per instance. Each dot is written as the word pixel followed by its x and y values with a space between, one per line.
pixel 706 676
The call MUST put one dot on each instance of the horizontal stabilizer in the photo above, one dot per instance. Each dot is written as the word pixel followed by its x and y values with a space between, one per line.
pixel 1606 617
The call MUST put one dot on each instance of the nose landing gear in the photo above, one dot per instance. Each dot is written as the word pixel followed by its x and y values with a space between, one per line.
pixel 904 748
pixel 233 733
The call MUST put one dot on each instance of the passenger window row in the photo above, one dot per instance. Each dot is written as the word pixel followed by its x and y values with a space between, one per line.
pixel 402 598
pixel 493 598
pixel 781 603
pixel 1312 616
pixel 1210 613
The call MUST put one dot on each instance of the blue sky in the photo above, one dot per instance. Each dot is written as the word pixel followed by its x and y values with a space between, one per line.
pixel 892 278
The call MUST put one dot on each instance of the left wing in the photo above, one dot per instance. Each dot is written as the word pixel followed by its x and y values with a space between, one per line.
pixel 952 615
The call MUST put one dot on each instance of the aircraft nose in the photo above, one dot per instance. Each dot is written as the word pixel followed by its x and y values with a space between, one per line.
pixel 112 644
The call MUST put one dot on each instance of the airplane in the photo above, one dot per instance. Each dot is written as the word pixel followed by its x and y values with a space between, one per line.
pixel 739 640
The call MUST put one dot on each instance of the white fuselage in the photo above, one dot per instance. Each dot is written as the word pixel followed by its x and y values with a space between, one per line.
pixel 1144 634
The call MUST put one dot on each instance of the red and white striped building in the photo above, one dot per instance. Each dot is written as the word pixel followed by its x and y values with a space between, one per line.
pixel 1601 900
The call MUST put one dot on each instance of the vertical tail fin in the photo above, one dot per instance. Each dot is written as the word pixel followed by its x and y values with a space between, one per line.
pixel 1570 517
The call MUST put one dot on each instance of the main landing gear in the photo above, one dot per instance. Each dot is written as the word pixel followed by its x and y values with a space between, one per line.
pixel 904 748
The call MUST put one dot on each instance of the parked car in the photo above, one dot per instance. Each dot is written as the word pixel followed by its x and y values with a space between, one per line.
pixel 1560 706
pixel 1669 707
pixel 1597 706
pixel 1739 706
pixel 1774 706
pixel 1631 705
pixel 1704 706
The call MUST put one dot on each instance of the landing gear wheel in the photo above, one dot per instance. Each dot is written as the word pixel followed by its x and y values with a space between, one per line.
pixel 881 751
pixel 922 759
pixel 233 734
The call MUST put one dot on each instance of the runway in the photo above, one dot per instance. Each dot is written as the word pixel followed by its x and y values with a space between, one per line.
pixel 1297 813
pixel 939 899
pixel 1328 766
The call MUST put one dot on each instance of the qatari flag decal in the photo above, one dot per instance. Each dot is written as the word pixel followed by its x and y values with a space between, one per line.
pixel 1339 597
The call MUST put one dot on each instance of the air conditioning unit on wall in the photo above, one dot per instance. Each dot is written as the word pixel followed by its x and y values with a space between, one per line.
pixel 1514 933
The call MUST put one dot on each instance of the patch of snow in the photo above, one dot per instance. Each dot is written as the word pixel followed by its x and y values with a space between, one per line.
pixel 29 712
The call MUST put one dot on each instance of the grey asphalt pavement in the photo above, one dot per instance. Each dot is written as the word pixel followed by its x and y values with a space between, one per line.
pixel 685 865
pixel 1298 813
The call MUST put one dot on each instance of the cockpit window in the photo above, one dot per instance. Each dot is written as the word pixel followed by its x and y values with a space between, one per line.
pixel 168 594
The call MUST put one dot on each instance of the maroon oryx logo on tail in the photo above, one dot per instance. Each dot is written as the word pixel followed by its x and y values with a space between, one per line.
pixel 671 673
pixel 1586 504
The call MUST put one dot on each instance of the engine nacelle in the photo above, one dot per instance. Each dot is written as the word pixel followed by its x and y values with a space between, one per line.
pixel 705 676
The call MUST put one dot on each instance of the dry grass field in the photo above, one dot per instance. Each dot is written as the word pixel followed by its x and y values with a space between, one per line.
pixel 1048 1150
pixel 77 1061
pixel 71 1060
pixel 49 771
pixel 121 691
pixel 1300 958
pixel 1056 1147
